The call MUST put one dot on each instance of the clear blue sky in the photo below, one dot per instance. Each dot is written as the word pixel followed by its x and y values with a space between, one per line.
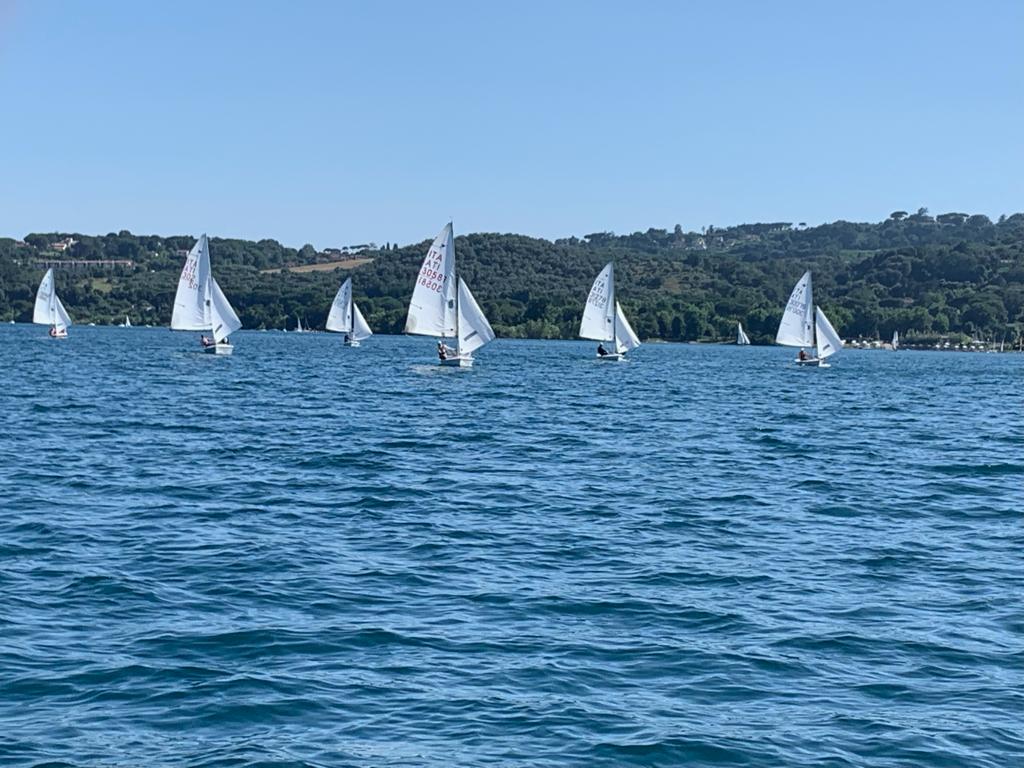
pixel 341 122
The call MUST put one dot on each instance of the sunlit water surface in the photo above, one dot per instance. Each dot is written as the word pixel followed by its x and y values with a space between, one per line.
pixel 307 555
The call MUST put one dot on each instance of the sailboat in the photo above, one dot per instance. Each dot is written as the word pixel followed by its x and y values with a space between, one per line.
pixel 298 328
pixel 49 310
pixel 604 320
pixel 200 304
pixel 127 323
pixel 895 340
pixel 805 325
pixel 443 306
pixel 741 338
pixel 346 318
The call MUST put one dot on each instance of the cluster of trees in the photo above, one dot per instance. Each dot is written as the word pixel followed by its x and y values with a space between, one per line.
pixel 922 275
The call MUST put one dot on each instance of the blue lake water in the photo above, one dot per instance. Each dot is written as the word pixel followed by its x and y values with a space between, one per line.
pixel 306 555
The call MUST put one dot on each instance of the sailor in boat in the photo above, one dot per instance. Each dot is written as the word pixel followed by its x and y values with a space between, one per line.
pixel 348 339
pixel 206 341
pixel 53 330
pixel 802 355
pixel 601 351
pixel 443 350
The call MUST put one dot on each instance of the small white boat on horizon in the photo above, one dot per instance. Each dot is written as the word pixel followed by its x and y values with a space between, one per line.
pixel 200 304
pixel 49 310
pixel 443 306
pixel 741 337
pixel 804 325
pixel 604 321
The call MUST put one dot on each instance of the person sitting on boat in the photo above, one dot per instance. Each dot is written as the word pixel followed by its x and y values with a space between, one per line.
pixel 443 350
pixel 601 351
pixel 53 330
pixel 206 341
pixel 802 355
pixel 347 339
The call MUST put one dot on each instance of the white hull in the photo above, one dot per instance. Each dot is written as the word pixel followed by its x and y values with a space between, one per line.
pixel 812 362
pixel 459 361
pixel 612 357
pixel 352 344
pixel 58 334
pixel 219 349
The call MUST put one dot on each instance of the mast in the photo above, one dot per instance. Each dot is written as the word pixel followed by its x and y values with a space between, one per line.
pixel 615 315
pixel 458 336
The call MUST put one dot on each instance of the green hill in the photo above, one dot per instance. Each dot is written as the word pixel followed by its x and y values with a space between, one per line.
pixel 922 275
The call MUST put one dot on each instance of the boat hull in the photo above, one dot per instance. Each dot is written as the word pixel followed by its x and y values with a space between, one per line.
pixel 812 362
pixel 219 349
pixel 460 361
pixel 612 357
pixel 352 344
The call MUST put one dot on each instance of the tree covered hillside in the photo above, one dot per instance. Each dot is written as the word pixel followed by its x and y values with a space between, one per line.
pixel 915 273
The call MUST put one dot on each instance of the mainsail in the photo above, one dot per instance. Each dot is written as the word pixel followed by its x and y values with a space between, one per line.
pixel 828 340
pixel 599 313
pixel 48 309
pixel 895 339
pixel 432 307
pixel 741 337
pixel 797 326
pixel 339 319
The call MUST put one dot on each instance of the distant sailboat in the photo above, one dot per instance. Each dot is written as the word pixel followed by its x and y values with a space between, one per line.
pixel 346 318
pixel 443 306
pixel 604 320
pixel 200 304
pixel 49 310
pixel 741 338
pixel 298 328
pixel 127 323
pixel 805 325
pixel 895 340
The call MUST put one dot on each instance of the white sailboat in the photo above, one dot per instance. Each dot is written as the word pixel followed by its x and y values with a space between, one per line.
pixel 604 320
pixel 741 338
pixel 443 306
pixel 805 325
pixel 127 323
pixel 346 318
pixel 895 340
pixel 298 328
pixel 49 310
pixel 200 304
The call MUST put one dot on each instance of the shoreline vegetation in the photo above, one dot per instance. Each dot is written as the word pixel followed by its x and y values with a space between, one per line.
pixel 953 277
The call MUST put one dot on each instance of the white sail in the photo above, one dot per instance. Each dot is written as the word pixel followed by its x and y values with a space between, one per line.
pixel 48 309
pixel 625 338
pixel 190 308
pixel 599 313
pixel 797 327
pixel 474 330
pixel 432 307
pixel 895 339
pixel 828 340
pixel 223 319
pixel 360 328
pixel 340 317
pixel 127 322
pixel 43 313
pixel 741 337
pixel 298 327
